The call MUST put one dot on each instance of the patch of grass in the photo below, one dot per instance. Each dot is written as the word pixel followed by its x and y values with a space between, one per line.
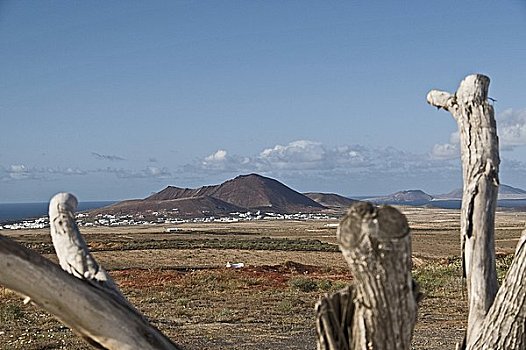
pixel 224 281
pixel 503 265
pixel 284 306
pixel 225 315
pixel 259 243
pixel 445 278
pixel 303 284
pixel 307 285
pixel 440 280
pixel 10 312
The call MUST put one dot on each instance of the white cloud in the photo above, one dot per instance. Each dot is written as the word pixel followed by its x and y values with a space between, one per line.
pixel 445 151
pixel 511 129
pixel 218 156
pixel 221 161
pixel 454 138
pixel 157 172
pixel 449 150
pixel 511 126
pixel 301 154
pixel 301 151
pixel 18 168
pixel 148 172
pixel 17 172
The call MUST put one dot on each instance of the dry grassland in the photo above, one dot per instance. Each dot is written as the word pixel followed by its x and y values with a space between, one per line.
pixel 179 280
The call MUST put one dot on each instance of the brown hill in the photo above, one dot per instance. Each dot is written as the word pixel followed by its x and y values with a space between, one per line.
pixel 182 207
pixel 258 192
pixel 330 199
pixel 253 192
pixel 244 193
pixel 172 192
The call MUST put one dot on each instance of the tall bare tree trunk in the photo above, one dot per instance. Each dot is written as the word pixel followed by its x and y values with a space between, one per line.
pixel 480 165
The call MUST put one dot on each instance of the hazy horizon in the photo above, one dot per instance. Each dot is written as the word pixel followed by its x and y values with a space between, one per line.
pixel 369 195
pixel 118 100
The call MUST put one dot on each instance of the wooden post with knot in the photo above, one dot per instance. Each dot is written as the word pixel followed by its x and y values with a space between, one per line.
pixel 378 310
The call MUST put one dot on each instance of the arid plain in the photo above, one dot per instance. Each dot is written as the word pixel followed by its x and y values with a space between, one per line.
pixel 180 281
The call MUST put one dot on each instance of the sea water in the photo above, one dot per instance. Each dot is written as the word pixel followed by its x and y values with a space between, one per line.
pixel 10 212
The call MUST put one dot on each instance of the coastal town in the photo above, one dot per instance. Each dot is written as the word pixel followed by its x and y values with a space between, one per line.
pixel 163 218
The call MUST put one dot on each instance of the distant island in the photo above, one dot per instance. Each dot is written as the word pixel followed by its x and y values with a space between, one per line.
pixel 508 197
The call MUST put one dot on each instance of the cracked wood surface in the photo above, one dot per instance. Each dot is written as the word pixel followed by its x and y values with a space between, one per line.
pixel 504 326
pixel 379 309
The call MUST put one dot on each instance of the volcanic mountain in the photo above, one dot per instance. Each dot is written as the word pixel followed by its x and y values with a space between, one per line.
pixel 243 193
pixel 330 200
pixel 409 197
pixel 505 192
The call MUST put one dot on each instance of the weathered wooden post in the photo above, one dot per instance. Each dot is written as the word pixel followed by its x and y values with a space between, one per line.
pixel 505 324
pixel 496 315
pixel 480 166
pixel 378 311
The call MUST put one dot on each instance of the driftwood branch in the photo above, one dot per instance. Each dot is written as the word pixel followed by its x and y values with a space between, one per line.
pixel 382 302
pixel 82 295
pixel 84 306
pixel 480 166
pixel 71 248
pixel 72 252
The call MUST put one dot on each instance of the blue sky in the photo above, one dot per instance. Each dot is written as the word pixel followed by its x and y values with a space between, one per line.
pixel 115 100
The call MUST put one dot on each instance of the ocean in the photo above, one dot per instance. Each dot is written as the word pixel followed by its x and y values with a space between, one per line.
pixel 10 212
pixel 456 203
pixel 517 204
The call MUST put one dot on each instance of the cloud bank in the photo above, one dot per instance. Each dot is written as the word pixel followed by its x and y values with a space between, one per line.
pixel 147 172
pixel 302 164
pixel 16 172
pixel 310 157
pixel 511 128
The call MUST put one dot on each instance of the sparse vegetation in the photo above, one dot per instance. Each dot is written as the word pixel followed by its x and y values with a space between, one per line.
pixel 255 243
pixel 10 312
pixel 440 278
pixel 303 284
